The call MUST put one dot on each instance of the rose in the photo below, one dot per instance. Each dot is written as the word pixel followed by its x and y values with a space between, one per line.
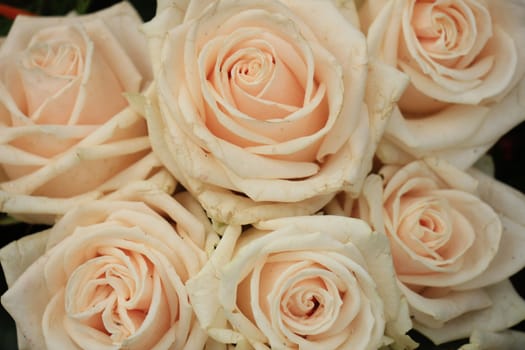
pixel 464 60
pixel 318 282
pixel 265 108
pixel 66 129
pixel 452 253
pixel 109 274
pixel 455 240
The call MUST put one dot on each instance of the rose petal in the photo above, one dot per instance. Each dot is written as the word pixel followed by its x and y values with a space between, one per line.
pixel 508 203
pixel 508 308
pixel 482 340
pixel 18 255
pixel 436 311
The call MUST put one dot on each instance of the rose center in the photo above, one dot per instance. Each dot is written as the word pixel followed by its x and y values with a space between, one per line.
pixel 249 69
pixel 440 26
pixel 306 304
pixel 303 305
pixel 55 59
pixel 425 226
pixel 250 66
pixel 111 292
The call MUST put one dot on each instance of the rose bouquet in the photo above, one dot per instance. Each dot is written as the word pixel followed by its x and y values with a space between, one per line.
pixel 277 174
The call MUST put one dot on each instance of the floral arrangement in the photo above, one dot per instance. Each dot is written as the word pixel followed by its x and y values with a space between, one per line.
pixel 263 174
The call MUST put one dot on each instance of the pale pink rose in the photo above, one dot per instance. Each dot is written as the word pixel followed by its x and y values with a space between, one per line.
pixel 66 131
pixel 455 237
pixel 466 63
pixel 265 108
pixel 306 282
pixel 109 275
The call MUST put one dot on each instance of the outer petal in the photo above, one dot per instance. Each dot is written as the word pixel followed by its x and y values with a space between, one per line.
pixel 481 340
pixel 478 128
pixel 509 204
pixel 33 309
pixel 16 258
pixel 18 255
pixel 437 312
pixel 508 308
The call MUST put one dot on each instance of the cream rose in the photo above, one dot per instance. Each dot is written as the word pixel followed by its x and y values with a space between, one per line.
pixel 455 240
pixel 109 275
pixel 465 60
pixel 66 131
pixel 317 282
pixel 265 108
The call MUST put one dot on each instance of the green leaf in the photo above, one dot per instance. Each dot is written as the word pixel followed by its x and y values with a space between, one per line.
pixel 82 6
pixel 5 24
pixel 7 220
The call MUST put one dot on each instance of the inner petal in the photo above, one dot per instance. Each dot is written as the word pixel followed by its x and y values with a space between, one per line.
pixel 60 58
pixel 54 61
pixel 425 226
pixel 444 28
pixel 304 300
pixel 309 301
pixel 102 293
pixel 253 92
pixel 250 71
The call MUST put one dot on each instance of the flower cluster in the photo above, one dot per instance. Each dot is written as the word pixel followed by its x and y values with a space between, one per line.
pixel 263 174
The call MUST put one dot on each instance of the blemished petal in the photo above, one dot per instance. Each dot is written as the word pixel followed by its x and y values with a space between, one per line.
pixel 229 207
pixel 32 310
pixel 18 255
